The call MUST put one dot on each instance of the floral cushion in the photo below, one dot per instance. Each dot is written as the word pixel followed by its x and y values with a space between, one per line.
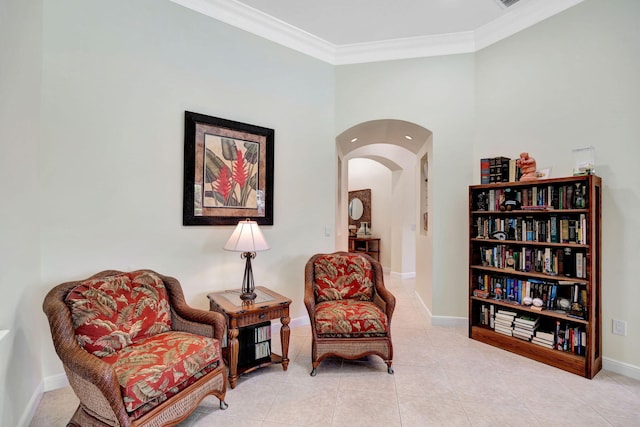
pixel 110 313
pixel 149 368
pixel 339 277
pixel 350 318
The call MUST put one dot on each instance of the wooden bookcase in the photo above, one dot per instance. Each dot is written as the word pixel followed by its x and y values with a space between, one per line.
pixel 368 245
pixel 547 245
pixel 254 344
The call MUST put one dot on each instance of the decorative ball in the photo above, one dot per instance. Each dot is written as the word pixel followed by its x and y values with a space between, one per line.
pixel 537 302
pixel 564 303
pixel 527 300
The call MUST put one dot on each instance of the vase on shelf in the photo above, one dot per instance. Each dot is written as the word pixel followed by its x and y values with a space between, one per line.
pixel 364 230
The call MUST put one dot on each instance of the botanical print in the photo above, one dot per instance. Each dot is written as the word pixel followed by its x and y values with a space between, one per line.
pixel 230 172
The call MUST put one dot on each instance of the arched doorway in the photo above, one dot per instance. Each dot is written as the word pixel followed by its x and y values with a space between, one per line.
pixel 401 147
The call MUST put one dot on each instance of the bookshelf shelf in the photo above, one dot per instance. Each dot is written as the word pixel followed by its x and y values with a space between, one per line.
pixel 542 283
pixel 511 272
pixel 368 245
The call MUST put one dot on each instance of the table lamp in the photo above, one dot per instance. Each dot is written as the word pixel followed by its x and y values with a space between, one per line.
pixel 248 239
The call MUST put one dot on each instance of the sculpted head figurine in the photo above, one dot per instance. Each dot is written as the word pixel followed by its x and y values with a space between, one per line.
pixel 528 167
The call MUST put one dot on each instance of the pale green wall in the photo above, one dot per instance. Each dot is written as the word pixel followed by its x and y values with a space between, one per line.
pixel 95 106
pixel 569 82
pixel 437 94
pixel 117 78
pixel 20 206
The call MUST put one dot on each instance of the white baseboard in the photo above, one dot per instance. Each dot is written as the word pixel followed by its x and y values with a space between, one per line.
pixel 298 321
pixel 54 382
pixel 32 406
pixel 441 320
pixel 621 368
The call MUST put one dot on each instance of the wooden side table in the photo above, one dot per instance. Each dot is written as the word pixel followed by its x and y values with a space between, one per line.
pixel 268 305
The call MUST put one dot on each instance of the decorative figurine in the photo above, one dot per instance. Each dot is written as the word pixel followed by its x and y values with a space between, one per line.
pixel 528 167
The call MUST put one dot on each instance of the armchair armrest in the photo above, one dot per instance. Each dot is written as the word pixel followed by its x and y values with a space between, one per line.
pixel 309 294
pixel 189 319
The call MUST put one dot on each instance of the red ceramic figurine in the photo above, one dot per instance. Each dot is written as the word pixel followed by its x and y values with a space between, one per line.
pixel 528 167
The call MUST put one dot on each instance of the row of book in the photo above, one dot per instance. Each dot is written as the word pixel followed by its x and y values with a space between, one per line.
pixel 554 229
pixel 564 296
pixel 566 262
pixel 262 349
pixel 552 196
pixel 499 169
pixel 565 337
pixel 262 333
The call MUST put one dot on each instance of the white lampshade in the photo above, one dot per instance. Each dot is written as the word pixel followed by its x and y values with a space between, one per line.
pixel 247 237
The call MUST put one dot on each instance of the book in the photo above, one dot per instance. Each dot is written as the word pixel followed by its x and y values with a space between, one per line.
pixel 503 331
pixel 485 171
pixel 580 265
pixel 526 323
pixel 542 343
pixel 521 336
pixel 549 336
pixel 523 332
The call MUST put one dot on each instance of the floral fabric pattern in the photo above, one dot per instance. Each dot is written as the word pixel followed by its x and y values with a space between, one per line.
pixel 341 277
pixel 350 318
pixel 111 313
pixel 163 364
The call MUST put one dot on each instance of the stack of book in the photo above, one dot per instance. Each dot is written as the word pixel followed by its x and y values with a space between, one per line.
pixel 524 326
pixel 503 322
pixel 498 169
pixel 544 339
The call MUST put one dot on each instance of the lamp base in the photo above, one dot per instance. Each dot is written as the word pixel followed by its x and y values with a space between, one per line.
pixel 248 296
pixel 248 286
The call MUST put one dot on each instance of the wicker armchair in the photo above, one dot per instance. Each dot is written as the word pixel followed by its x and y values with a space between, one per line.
pixel 349 308
pixel 140 357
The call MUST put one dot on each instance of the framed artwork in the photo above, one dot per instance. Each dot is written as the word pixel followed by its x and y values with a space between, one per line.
pixel 228 171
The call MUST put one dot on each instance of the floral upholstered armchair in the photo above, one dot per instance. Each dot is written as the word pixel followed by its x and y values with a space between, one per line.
pixel 134 352
pixel 349 308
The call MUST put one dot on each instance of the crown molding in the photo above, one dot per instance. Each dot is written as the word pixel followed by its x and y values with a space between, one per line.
pixel 259 23
pixel 517 18
pixel 405 48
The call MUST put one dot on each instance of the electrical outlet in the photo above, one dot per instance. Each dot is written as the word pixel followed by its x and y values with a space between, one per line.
pixel 619 327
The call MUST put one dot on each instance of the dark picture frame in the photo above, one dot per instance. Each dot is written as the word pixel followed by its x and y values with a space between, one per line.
pixel 228 171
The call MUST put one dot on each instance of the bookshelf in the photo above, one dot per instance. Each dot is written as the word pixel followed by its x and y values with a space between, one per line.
pixel 368 245
pixel 535 270
pixel 254 344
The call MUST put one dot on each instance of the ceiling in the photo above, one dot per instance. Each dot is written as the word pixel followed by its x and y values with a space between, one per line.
pixel 356 31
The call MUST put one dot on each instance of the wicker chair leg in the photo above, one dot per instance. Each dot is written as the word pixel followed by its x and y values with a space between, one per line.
pixel 314 372
pixel 389 368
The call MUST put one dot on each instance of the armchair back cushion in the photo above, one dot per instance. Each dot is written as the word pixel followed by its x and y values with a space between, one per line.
pixel 111 313
pixel 342 277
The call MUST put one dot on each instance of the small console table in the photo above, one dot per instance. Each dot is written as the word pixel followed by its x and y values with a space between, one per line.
pixel 246 324
pixel 368 245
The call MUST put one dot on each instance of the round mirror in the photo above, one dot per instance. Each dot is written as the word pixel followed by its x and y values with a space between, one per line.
pixel 356 209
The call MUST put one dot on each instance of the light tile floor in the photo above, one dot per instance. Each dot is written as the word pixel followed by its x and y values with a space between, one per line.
pixel 442 378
